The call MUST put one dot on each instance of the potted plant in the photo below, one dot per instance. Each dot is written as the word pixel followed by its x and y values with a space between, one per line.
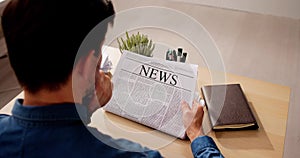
pixel 138 43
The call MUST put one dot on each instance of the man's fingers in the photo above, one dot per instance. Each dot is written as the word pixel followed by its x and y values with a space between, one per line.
pixel 197 106
pixel 103 88
pixel 185 106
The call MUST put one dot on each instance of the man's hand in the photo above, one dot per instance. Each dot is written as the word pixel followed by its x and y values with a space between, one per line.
pixel 104 88
pixel 192 119
pixel 103 91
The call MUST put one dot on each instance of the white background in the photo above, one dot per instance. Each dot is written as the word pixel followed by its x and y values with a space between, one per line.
pixel 285 8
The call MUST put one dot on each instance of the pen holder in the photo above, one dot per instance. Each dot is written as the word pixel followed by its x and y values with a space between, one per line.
pixel 172 55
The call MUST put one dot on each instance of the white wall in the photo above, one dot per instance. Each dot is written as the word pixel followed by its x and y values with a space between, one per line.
pixel 285 8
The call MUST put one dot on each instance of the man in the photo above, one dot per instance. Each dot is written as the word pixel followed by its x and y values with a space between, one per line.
pixel 43 38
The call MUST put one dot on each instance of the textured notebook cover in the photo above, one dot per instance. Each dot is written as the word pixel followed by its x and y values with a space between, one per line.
pixel 228 107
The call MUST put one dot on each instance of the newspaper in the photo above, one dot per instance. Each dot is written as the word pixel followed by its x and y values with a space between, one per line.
pixel 149 91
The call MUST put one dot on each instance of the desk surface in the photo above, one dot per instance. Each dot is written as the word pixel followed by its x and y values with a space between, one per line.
pixel 268 101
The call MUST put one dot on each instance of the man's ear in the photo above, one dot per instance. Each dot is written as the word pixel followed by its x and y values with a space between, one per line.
pixel 87 65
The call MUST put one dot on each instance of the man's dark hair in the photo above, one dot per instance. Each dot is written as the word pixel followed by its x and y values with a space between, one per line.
pixel 43 37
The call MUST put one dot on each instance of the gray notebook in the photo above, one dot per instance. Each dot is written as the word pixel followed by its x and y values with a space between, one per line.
pixel 228 107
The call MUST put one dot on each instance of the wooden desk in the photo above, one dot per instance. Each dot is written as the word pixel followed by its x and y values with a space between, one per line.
pixel 269 102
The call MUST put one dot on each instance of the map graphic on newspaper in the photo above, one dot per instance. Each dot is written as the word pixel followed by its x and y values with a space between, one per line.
pixel 149 91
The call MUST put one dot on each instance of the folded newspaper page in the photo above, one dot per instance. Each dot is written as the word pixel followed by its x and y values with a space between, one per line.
pixel 149 91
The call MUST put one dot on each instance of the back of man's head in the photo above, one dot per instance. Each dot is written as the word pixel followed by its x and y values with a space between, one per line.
pixel 43 37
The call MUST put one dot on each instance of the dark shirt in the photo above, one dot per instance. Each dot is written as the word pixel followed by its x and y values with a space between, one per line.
pixel 58 131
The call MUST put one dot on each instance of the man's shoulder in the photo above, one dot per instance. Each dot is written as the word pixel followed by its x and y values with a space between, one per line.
pixel 120 146
pixel 4 117
pixel 4 121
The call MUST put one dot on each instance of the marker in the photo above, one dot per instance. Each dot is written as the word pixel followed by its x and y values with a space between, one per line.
pixel 174 55
pixel 169 55
pixel 183 58
pixel 179 51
